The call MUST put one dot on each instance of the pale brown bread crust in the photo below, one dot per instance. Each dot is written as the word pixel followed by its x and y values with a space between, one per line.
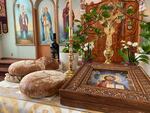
pixel 42 83
pixel 22 68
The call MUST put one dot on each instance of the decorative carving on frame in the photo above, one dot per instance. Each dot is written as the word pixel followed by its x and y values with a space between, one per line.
pixel 131 90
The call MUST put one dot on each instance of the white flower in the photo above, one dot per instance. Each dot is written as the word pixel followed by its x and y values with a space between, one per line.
pixel 91 47
pixel 86 44
pixel 125 47
pixel 92 43
pixel 122 41
pixel 140 50
pixel 135 44
pixel 129 43
pixel 85 49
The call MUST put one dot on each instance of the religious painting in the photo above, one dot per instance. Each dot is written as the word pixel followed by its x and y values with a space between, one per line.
pixel 3 17
pixel 109 79
pixel 46 22
pixel 64 18
pixel 24 22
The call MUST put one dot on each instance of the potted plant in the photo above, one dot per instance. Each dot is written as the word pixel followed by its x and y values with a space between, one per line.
pixel 128 53
pixel 64 56
pixel 81 47
pixel 145 44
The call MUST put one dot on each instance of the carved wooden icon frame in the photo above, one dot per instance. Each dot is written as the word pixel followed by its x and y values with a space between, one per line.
pixel 78 93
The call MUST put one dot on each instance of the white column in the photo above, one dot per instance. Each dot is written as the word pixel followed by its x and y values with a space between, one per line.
pixel 70 20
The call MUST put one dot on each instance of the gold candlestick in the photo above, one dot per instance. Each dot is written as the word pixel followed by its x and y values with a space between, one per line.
pixel 70 72
pixel 108 52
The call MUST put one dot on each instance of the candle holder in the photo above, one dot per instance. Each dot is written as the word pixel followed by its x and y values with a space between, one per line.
pixel 108 53
pixel 70 72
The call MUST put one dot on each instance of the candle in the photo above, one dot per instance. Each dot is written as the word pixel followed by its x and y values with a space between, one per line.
pixel 70 21
pixel 70 71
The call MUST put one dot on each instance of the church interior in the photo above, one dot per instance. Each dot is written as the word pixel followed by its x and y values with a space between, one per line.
pixel 74 56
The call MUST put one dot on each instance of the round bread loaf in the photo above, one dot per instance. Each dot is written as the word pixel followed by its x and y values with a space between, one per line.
pixel 22 68
pixel 49 63
pixel 42 83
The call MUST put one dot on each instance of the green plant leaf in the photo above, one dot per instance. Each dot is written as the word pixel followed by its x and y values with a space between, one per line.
pixel 106 7
pixel 146 46
pixel 144 60
pixel 123 55
pixel 142 56
pixel 65 50
pixel 143 15
pixel 76 20
pixel 106 14
pixel 145 34
pixel 130 11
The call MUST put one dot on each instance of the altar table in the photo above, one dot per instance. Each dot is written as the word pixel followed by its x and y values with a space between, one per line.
pixel 13 101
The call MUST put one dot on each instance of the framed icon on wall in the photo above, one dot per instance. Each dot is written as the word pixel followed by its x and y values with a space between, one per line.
pixel 63 18
pixel 46 20
pixel 23 17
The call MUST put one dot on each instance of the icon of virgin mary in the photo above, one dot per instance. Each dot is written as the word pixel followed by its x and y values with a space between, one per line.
pixel 47 31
